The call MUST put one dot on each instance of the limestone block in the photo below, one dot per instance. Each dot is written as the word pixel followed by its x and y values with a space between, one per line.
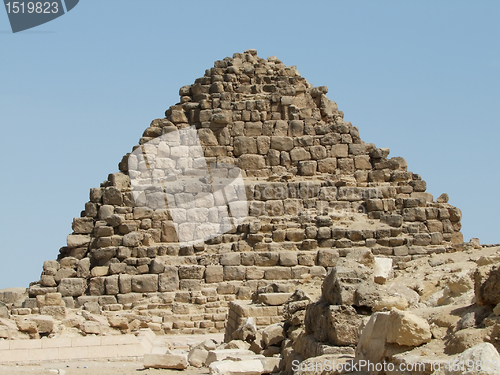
pixel 328 165
pixel 44 323
pixel 339 151
pixel 230 259
pixel 263 144
pixel 112 196
pixel 99 271
pixel 307 168
pixel 273 157
pixel 299 154
pixel 324 233
pixel 207 137
pixel 120 180
pixel 218 355
pixel 362 162
pixel 273 334
pixel 125 283
pixel 83 225
pixel 382 270
pixel 165 361
pixel 255 273
pixel 129 298
pixel 77 240
pixel 318 152
pixel 455 214
pixel 83 268
pixel 72 287
pixel 111 285
pixel 418 185
pixel 328 257
pixel 118 321
pixel 95 195
pixel 222 118
pixel 251 162
pixel 487 285
pixel 145 283
pixel 278 273
pixel 340 285
pixel 372 341
pixel 278 236
pixel 178 116
pixel 234 273
pixel 296 128
pixel 168 232
pixel 47 280
pixel 96 286
pixel 337 325
pixel 191 272
pixel 253 129
pixel 133 239
pixel 245 145
pixel 483 354
pixel 240 367
pixel 295 234
pixel 214 274
pixel 28 326
pixel 106 211
pixel 288 258
pixel 281 143
pixel 197 357
pixel 406 328
pixel 274 299
pixel 285 160
pixel 346 165
pixel 57 312
pixel 53 299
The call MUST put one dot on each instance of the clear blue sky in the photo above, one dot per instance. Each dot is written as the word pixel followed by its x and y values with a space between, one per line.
pixel 419 77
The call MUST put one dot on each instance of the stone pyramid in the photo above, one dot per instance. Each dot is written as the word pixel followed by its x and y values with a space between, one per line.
pixel 314 192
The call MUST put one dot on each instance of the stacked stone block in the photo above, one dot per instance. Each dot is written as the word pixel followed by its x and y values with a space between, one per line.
pixel 315 192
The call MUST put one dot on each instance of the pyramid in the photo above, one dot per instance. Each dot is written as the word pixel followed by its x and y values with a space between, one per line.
pixel 313 192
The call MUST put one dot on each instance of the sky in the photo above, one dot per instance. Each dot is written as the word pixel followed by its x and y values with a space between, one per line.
pixel 419 77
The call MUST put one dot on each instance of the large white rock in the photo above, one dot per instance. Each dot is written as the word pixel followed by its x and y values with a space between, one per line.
pixel 484 354
pixel 222 354
pixel 371 345
pixel 168 361
pixel 382 270
pixel 384 329
pixel 405 328
pixel 273 334
pixel 197 357
pixel 245 367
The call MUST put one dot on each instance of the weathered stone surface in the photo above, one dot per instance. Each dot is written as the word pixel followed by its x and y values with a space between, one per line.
pixel 273 334
pixel 337 325
pixel 168 280
pixel 77 240
pixel 340 284
pixel 197 357
pixel 382 270
pixel 144 283
pixel 274 299
pixel 219 355
pixel 166 361
pixel 487 285
pixel 407 329
pixel 72 287
pixel 483 357
pixel 243 367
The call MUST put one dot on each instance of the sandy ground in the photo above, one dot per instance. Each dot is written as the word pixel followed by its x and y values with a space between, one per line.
pixel 92 368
